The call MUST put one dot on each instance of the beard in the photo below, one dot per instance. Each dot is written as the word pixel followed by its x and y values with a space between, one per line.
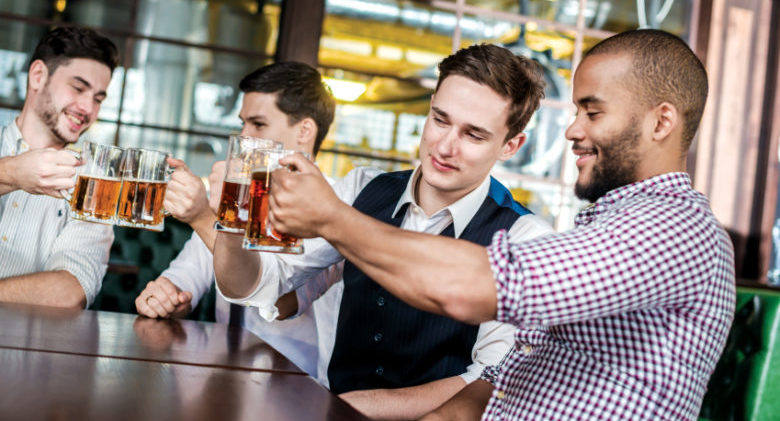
pixel 616 167
pixel 49 115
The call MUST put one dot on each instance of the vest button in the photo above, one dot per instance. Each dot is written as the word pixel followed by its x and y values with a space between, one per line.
pixel 377 337
pixel 380 370
pixel 380 301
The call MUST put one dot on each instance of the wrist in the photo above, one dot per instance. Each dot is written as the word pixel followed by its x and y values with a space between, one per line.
pixel 329 228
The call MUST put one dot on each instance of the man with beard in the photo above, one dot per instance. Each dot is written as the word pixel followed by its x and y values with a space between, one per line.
pixel 623 317
pixel 45 257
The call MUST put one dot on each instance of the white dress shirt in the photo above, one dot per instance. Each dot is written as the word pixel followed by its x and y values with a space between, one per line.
pixel 284 273
pixel 298 339
pixel 37 235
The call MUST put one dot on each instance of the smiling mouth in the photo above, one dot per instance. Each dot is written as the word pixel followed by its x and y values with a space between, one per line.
pixel 76 120
pixel 584 155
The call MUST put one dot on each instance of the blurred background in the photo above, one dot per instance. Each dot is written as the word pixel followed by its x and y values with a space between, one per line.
pixel 176 89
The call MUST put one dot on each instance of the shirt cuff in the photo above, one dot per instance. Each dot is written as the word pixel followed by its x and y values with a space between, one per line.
pixel 264 298
pixel 490 374
pixel 507 273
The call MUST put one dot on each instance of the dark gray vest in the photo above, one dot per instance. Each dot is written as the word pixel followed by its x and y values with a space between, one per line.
pixel 381 342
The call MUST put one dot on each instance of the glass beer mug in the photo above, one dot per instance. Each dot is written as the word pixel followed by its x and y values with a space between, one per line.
pixel 98 181
pixel 242 156
pixel 145 176
pixel 259 234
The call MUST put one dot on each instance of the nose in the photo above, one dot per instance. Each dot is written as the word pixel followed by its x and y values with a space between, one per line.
pixel 448 142
pixel 86 104
pixel 575 131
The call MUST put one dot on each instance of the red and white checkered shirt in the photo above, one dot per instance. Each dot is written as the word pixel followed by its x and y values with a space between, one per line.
pixel 623 317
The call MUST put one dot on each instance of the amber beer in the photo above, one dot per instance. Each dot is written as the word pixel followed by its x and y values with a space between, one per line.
pixel 260 235
pixel 234 205
pixel 141 204
pixel 95 198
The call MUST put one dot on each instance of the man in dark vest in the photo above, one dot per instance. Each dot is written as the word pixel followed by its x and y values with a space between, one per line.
pixel 390 360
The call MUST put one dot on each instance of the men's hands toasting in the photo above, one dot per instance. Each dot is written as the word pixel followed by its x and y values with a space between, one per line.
pixel 302 203
pixel 42 171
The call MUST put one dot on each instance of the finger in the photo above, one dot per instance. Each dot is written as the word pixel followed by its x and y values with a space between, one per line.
pixel 169 289
pixel 65 158
pixel 161 298
pixel 300 163
pixel 177 163
pixel 142 308
pixel 185 297
pixel 156 307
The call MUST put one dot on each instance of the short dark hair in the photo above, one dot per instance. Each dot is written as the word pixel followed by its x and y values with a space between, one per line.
pixel 300 93
pixel 664 69
pixel 62 44
pixel 516 78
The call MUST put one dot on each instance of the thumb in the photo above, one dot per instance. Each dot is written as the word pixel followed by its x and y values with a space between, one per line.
pixel 185 297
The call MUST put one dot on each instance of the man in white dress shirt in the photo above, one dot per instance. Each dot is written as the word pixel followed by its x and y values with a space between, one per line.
pixel 388 360
pixel 286 102
pixel 46 258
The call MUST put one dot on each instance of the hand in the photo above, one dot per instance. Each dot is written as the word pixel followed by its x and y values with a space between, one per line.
pixel 301 202
pixel 216 179
pixel 44 171
pixel 185 197
pixel 161 298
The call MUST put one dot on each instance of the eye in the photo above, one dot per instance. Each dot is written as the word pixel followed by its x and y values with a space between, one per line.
pixel 593 114
pixel 475 136
pixel 439 121
pixel 78 89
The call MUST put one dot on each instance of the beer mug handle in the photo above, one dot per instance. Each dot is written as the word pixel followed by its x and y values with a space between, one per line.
pixel 65 193
pixel 168 172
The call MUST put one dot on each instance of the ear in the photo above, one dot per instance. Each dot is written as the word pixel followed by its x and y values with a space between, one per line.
pixel 667 120
pixel 37 75
pixel 307 133
pixel 511 146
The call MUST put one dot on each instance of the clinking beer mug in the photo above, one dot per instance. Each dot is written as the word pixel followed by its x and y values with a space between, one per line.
pixel 98 181
pixel 145 176
pixel 260 234
pixel 242 156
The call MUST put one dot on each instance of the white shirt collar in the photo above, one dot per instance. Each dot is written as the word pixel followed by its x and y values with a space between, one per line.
pixel 461 211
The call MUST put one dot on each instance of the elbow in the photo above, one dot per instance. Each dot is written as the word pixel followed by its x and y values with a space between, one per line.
pixel 459 304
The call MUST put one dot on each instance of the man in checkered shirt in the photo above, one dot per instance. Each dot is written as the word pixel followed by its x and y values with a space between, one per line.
pixel 623 317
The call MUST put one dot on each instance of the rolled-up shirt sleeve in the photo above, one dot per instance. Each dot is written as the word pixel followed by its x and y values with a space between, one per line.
pixel 82 249
pixel 642 257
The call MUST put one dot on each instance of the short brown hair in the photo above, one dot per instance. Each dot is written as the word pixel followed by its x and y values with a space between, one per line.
pixel 516 78
pixel 300 93
pixel 664 69
pixel 62 44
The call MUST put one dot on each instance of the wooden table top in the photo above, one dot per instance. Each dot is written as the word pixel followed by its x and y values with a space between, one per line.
pixel 91 365
pixel 107 334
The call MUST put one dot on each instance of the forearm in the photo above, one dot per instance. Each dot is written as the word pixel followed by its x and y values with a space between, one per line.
pixel 204 227
pixel 468 404
pixel 404 403
pixel 437 274
pixel 237 270
pixel 55 288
